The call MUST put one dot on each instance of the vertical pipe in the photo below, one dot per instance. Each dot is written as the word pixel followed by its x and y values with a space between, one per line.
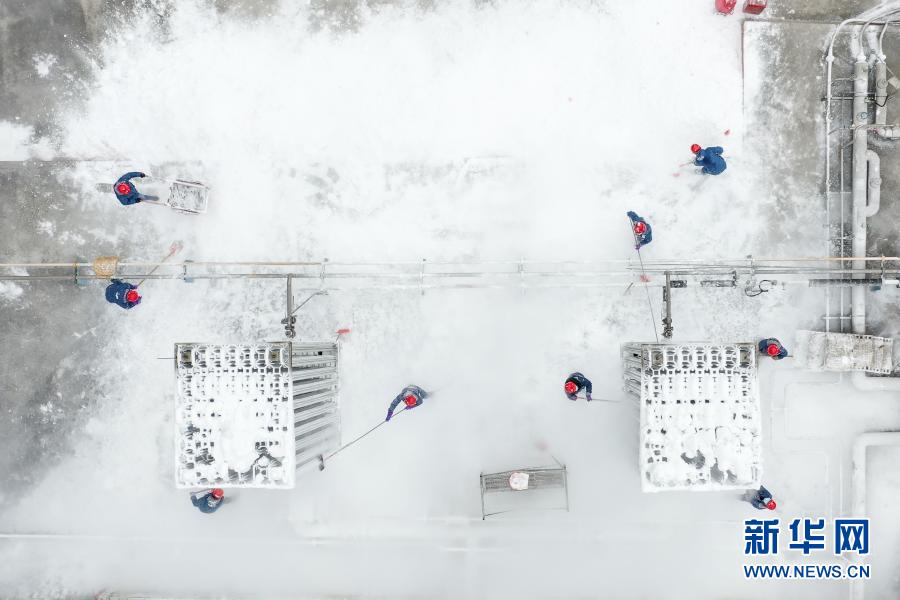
pixel 880 92
pixel 668 330
pixel 859 185
pixel 289 318
pixel 873 183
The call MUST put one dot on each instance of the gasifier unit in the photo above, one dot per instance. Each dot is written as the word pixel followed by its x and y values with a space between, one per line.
pixel 251 415
pixel 699 415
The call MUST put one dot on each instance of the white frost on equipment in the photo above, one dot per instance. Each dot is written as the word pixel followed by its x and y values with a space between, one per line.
pixel 178 194
pixel 250 415
pixel 699 415
pixel 820 351
pixel 518 481
pixel 536 488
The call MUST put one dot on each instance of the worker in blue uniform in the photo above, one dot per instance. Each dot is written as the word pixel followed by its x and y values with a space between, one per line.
pixel 412 396
pixel 575 383
pixel 709 158
pixel 126 192
pixel 643 234
pixel 208 501
pixel 761 499
pixel 122 293
pixel 772 347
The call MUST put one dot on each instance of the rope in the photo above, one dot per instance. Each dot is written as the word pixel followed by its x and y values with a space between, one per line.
pixel 348 444
pixel 637 244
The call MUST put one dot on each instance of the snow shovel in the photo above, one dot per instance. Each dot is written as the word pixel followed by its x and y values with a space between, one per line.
pixel 173 250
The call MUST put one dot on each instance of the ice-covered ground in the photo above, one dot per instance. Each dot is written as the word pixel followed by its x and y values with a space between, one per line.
pixel 347 143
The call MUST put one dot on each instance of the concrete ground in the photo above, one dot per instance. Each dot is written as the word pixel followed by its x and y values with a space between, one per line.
pixel 45 401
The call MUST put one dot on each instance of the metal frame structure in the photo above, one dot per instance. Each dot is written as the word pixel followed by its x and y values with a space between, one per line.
pixel 314 388
pixel 753 275
pixel 838 200
pixel 538 479
pixel 250 415
pixel 843 352
pixel 326 274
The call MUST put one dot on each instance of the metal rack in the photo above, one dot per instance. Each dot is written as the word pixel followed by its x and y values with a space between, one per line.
pixel 524 489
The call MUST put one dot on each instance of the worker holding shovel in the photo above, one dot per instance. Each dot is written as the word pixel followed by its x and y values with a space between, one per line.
pixel 125 294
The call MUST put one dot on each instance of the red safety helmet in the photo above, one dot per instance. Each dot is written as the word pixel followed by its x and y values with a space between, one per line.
pixel 123 187
pixel 771 505
pixel 695 148
pixel 410 400
pixel 570 387
pixel 640 227
pixel 132 296
pixel 218 493
pixel 773 350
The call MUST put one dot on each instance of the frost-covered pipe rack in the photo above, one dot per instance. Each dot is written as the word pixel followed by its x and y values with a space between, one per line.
pixel 325 274
pixel 852 131
pixel 700 426
pixel 250 415
pixel 864 166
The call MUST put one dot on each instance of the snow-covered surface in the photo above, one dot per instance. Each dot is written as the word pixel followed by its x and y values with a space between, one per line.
pixel 883 490
pixel 533 489
pixel 699 416
pixel 9 291
pixel 821 351
pixel 14 140
pixel 343 141
pixel 43 63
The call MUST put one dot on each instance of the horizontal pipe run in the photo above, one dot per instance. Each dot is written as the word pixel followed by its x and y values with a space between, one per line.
pixel 313 386
pixel 301 348
pixel 418 264
pixel 314 424
pixel 323 444
pixel 310 399
pixel 845 282
pixel 693 272
pixel 312 359
pixel 319 430
pixel 311 411
pixel 312 373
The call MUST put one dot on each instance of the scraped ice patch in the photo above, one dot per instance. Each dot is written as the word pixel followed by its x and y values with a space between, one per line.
pixel 70 237
pixel 47 228
pixel 9 290
pixel 43 63
pixel 42 148
pixel 15 140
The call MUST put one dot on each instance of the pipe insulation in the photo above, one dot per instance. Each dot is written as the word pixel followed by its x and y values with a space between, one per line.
pixel 858 480
pixel 873 183
pixel 880 92
pixel 859 188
